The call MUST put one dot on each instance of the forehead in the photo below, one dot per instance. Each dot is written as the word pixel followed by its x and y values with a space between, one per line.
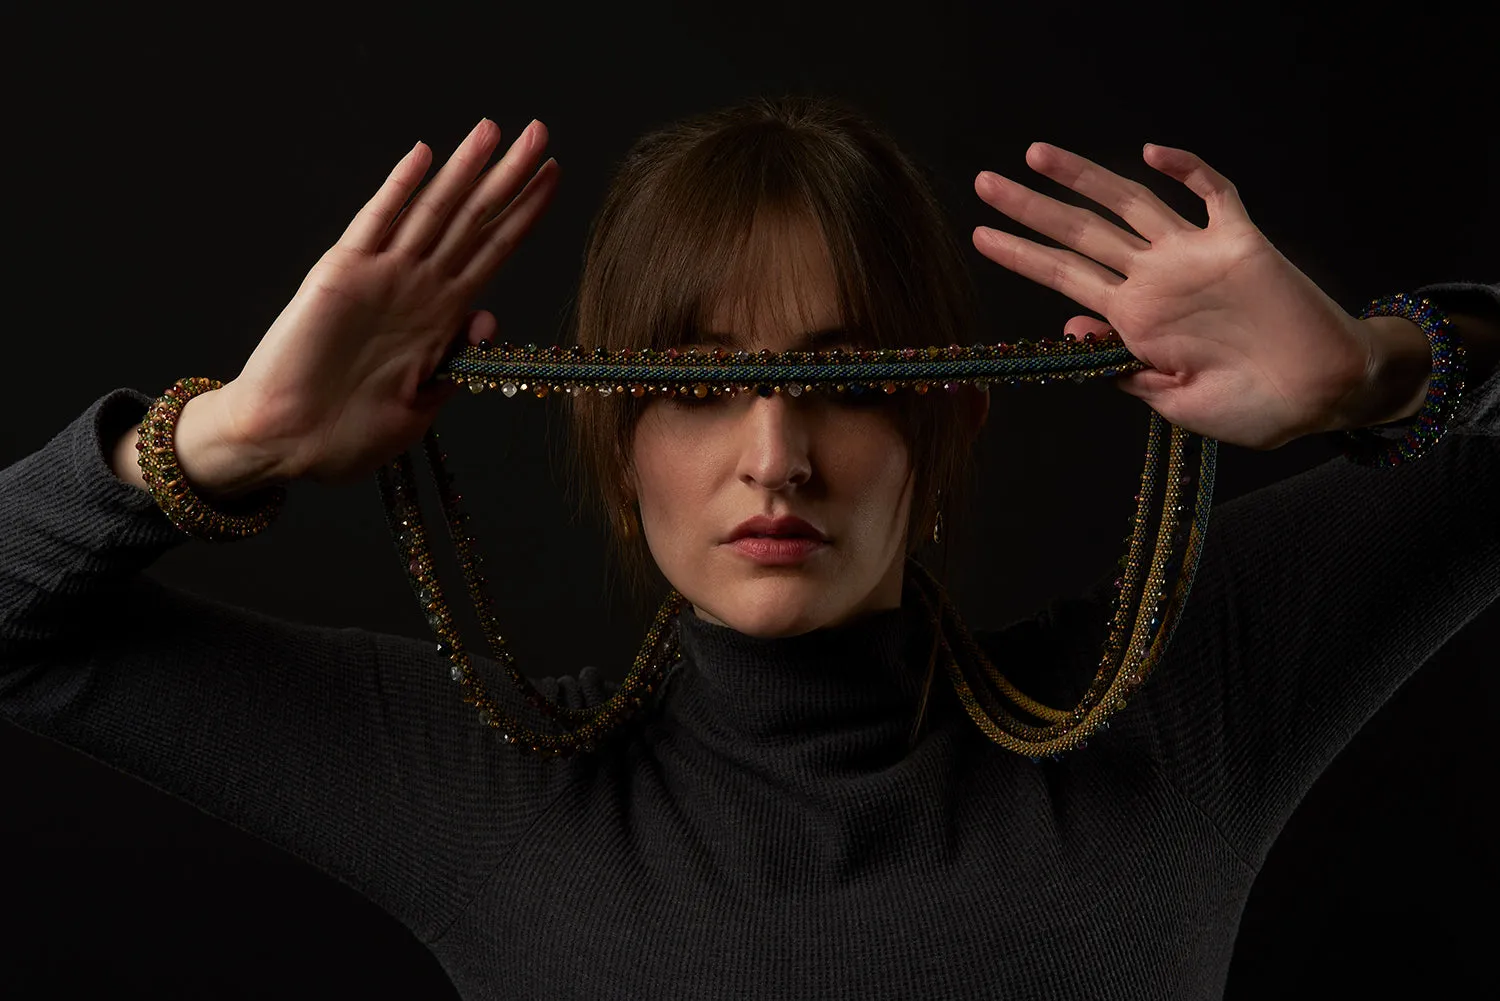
pixel 781 285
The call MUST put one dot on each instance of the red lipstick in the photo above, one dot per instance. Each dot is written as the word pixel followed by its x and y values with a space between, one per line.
pixel 783 541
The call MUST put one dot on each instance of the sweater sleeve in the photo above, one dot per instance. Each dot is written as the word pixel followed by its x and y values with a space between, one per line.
pixel 349 749
pixel 1316 598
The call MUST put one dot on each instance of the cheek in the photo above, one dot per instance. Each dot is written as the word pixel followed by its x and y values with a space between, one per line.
pixel 872 472
pixel 875 447
pixel 671 469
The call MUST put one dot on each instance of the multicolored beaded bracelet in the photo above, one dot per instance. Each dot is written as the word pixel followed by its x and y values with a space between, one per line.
pixel 169 487
pixel 1445 387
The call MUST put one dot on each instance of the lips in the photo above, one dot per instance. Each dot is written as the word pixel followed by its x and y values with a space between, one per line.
pixel 785 527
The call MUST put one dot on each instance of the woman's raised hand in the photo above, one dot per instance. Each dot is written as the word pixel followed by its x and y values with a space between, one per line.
pixel 1242 346
pixel 342 380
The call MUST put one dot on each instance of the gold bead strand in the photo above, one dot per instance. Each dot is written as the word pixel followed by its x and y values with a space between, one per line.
pixel 1096 707
pixel 469 562
pixel 404 518
pixel 1068 729
pixel 595 722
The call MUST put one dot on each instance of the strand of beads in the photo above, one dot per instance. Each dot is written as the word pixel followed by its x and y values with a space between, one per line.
pixel 1175 557
pixel 588 727
pixel 646 371
pixel 1060 731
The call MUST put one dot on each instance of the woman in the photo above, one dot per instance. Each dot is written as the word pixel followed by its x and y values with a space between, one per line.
pixel 769 827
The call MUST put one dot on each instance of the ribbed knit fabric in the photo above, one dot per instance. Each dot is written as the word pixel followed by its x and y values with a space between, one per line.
pixel 763 831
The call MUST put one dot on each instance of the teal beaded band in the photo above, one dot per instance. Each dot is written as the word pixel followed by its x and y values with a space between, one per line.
pixel 1445 387
pixel 645 371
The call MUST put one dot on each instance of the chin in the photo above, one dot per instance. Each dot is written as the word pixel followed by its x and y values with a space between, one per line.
pixel 770 609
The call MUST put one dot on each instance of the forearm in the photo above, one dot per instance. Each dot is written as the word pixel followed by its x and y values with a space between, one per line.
pixel 1401 365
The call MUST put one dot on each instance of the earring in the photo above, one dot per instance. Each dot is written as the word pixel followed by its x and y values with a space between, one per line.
pixel 626 522
pixel 937 524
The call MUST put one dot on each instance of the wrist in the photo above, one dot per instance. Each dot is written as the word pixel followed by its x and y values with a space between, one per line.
pixel 218 466
pixel 1395 380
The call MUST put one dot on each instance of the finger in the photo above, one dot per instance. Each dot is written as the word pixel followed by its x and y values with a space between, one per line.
pixel 498 239
pixel 1069 225
pixel 1076 327
pixel 1080 279
pixel 424 217
pixel 1130 200
pixel 1221 196
pixel 372 222
pixel 481 326
pixel 487 197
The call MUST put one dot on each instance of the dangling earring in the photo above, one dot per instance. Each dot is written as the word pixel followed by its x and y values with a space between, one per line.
pixel 626 522
pixel 937 524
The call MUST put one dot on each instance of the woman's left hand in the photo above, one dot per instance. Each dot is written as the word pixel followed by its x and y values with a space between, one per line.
pixel 1243 347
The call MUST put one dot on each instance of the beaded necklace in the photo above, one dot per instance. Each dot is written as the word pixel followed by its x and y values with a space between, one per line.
pixel 1131 651
pixel 1124 664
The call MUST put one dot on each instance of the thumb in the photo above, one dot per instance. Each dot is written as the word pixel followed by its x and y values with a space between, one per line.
pixel 480 325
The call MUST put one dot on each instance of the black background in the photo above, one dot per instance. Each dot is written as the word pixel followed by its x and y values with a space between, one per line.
pixel 175 179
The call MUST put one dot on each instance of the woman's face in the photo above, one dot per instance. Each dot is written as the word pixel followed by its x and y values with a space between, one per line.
pixel 702 467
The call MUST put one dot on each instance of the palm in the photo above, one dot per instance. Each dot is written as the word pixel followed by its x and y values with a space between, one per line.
pixel 1242 347
pixel 362 379
pixel 342 380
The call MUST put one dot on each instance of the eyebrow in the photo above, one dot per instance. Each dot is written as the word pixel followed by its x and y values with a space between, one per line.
pixel 810 341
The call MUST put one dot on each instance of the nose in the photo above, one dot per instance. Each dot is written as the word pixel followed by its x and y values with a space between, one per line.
pixel 774 443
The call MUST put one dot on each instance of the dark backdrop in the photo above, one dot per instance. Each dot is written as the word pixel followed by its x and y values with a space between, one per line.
pixel 175 179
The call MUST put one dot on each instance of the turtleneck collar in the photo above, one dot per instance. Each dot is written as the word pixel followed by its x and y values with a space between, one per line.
pixel 838 699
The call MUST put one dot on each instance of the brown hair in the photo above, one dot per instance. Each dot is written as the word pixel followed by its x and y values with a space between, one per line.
pixel 670 243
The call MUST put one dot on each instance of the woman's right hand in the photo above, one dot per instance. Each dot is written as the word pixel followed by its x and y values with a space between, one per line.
pixel 342 381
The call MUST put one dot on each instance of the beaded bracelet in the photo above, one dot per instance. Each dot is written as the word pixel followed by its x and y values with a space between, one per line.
pixel 169 487
pixel 1445 387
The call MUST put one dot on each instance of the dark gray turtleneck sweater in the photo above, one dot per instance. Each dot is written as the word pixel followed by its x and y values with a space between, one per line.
pixel 763 831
